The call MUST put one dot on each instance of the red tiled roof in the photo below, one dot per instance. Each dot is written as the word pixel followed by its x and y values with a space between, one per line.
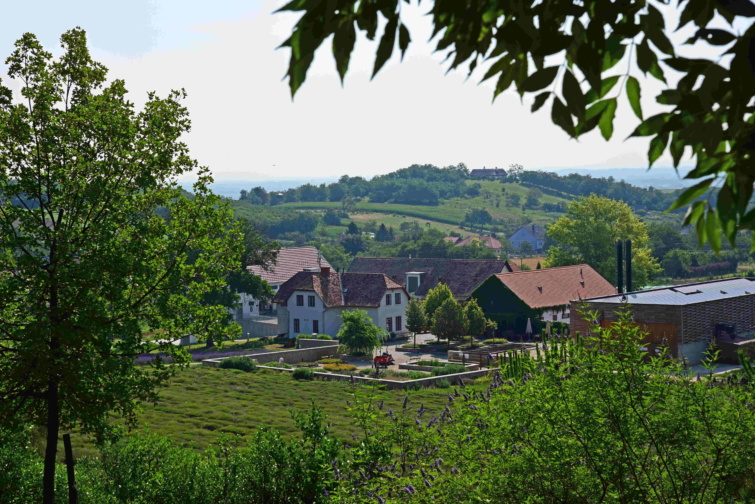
pixel 345 289
pixel 461 275
pixel 289 262
pixel 557 286
pixel 451 239
pixel 487 241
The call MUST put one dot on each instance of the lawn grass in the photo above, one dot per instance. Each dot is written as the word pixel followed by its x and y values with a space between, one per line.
pixel 203 402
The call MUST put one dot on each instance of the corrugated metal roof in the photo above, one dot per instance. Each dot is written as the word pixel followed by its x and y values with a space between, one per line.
pixel 687 294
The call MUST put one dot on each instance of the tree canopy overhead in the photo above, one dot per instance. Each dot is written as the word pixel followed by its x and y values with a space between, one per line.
pixel 569 54
pixel 99 244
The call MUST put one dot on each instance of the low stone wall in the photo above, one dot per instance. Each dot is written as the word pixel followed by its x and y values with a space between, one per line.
pixel 429 369
pixel 316 343
pixel 391 384
pixel 289 356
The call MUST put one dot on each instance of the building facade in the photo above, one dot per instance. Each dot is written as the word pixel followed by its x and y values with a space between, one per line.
pixel 313 302
pixel 686 318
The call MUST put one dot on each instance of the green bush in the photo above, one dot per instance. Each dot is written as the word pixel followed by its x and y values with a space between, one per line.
pixel 330 360
pixel 496 341
pixel 306 364
pixel 443 383
pixel 433 362
pixel 324 336
pixel 365 371
pixel 412 345
pixel 303 374
pixel 335 368
pixel 283 365
pixel 449 369
pixel 239 362
pixel 413 386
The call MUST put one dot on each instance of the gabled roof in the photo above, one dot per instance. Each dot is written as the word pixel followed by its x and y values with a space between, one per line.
pixel 487 241
pixel 345 289
pixel 289 262
pixel 536 231
pixel 687 294
pixel 488 172
pixel 550 287
pixel 461 275
pixel 451 239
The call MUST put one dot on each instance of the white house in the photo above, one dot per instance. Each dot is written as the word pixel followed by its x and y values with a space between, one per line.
pixel 288 263
pixel 312 302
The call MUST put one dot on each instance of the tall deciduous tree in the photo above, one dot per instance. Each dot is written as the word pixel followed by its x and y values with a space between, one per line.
pixel 358 333
pixel 477 323
pixel 416 321
pixel 450 321
pixel 574 55
pixel 435 298
pixel 98 242
pixel 588 234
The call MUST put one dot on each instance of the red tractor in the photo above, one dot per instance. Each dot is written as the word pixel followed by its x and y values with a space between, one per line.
pixel 383 361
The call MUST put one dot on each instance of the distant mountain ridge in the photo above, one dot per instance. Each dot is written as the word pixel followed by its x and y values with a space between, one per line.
pixel 660 177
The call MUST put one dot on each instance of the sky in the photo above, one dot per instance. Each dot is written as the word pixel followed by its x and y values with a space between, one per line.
pixel 246 125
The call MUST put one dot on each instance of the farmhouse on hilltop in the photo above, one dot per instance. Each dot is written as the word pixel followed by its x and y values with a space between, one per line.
pixel 540 295
pixel 419 275
pixel 685 318
pixel 311 302
pixel 485 241
pixel 488 173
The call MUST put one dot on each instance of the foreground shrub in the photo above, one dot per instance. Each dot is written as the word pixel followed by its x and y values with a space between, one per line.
pixel 443 383
pixel 496 341
pixel 324 337
pixel 303 374
pixel 243 363
pixel 334 368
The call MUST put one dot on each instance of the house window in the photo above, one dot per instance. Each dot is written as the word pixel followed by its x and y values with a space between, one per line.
pixel 311 301
pixel 387 299
pixel 397 298
pixel 413 283
pixel 315 327
pixel 398 324
pixel 297 327
pixel 389 324
pixel 299 300
pixel 555 318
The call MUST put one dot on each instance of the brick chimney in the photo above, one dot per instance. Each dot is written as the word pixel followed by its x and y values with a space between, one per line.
pixel 325 271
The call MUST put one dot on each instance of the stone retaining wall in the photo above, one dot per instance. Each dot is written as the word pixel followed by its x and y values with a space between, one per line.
pixel 429 369
pixel 289 356
pixel 391 384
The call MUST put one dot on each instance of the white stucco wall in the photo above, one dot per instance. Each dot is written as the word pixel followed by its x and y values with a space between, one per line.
pixel 393 310
pixel 246 300
pixel 306 314
pixel 561 316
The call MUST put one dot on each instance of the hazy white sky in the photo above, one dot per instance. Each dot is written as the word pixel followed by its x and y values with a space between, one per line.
pixel 244 121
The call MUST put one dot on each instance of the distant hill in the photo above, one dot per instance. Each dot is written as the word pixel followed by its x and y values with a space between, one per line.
pixel 661 177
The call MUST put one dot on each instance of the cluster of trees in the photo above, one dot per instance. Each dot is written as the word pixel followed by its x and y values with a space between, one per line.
pixel 588 234
pixel 585 185
pixel 680 255
pixel 414 185
pixel 445 317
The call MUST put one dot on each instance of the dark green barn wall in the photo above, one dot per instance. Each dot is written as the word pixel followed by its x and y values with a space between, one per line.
pixel 505 308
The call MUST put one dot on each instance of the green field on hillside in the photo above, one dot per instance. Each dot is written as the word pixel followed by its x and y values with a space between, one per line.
pixel 452 211
pixel 203 402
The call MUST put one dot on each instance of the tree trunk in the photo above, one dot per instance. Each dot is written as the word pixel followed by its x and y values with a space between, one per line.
pixel 51 451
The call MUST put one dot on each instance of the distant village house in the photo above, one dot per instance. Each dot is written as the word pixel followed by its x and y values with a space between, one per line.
pixel 532 234
pixel 488 173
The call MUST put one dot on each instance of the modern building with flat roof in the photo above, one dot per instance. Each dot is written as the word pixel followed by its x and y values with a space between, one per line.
pixel 688 317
